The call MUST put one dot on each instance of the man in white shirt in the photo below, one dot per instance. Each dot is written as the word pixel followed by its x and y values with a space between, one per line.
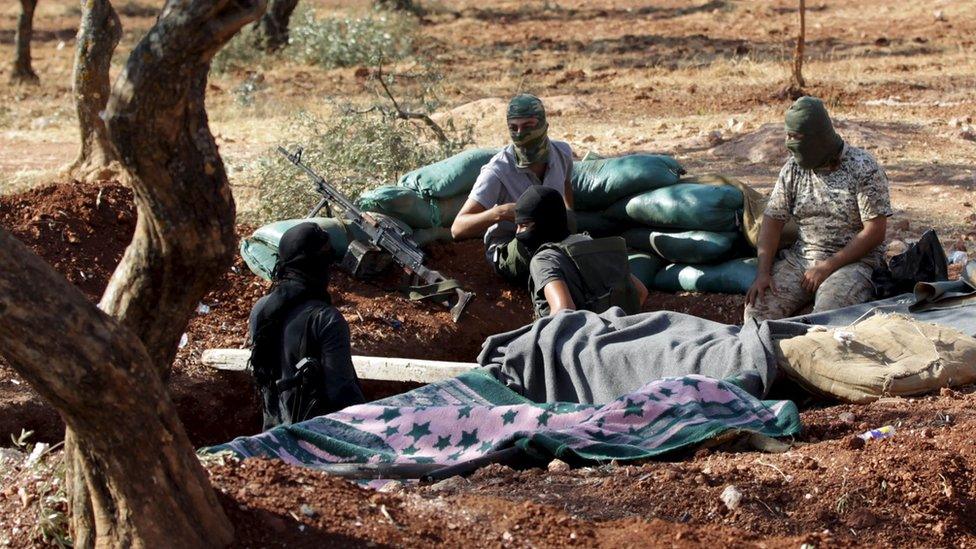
pixel 531 159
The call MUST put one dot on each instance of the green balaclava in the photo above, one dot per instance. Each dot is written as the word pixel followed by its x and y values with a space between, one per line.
pixel 531 145
pixel 820 143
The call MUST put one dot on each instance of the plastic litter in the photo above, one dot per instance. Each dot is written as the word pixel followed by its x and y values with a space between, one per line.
pixel 887 431
pixel 958 258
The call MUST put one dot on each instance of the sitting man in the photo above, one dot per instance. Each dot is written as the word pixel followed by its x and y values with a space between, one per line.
pixel 572 271
pixel 531 160
pixel 838 196
pixel 301 358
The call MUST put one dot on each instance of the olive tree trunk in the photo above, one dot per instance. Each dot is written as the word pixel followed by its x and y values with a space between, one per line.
pixel 797 80
pixel 147 487
pixel 271 31
pixel 22 70
pixel 184 237
pixel 98 35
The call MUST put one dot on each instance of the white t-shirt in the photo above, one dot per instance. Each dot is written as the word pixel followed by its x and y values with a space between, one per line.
pixel 502 182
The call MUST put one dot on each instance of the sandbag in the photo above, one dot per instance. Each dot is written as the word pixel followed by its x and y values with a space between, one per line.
pixel 598 225
pixel 685 206
pixel 731 277
pixel 599 183
pixel 260 250
pixel 683 247
pixel 753 208
pixel 446 209
pixel 645 267
pixel 452 176
pixel 402 203
pixel 885 355
pixel 423 237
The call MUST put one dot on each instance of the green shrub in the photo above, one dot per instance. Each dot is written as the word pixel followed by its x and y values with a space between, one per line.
pixel 354 151
pixel 343 42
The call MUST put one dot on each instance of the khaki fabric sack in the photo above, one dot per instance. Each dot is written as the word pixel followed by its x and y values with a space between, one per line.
pixel 885 355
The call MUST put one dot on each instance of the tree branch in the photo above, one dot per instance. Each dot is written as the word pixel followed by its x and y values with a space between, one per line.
pixel 406 115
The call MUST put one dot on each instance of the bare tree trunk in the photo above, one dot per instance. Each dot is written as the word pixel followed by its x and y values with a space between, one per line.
pixel 184 237
pixel 798 83
pixel 22 70
pixel 98 35
pixel 272 29
pixel 151 489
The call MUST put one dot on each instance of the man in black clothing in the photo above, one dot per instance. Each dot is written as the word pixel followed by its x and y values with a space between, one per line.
pixel 572 271
pixel 300 355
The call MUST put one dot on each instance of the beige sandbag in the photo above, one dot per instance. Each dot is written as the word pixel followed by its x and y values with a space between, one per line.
pixel 885 355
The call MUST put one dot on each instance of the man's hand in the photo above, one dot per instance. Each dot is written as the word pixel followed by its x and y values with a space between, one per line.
pixel 814 276
pixel 757 292
pixel 504 212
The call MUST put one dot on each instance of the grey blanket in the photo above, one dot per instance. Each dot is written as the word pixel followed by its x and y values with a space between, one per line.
pixel 583 357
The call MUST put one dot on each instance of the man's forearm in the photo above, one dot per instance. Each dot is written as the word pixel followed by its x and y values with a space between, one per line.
pixel 769 235
pixel 472 225
pixel 861 245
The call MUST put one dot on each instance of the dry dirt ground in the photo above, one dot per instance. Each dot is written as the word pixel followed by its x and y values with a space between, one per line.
pixel 698 80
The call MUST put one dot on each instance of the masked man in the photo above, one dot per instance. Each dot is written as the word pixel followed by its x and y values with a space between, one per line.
pixel 301 356
pixel 838 196
pixel 572 271
pixel 531 160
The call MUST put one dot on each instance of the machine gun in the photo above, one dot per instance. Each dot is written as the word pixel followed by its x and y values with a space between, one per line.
pixel 382 233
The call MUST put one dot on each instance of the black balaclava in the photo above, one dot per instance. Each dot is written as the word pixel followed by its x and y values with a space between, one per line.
pixel 820 143
pixel 304 254
pixel 544 206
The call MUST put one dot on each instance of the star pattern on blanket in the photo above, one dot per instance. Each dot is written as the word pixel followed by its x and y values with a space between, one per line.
pixel 443 442
pixel 664 391
pixel 509 417
pixel 464 411
pixel 389 414
pixel 690 382
pixel 633 408
pixel 455 456
pixel 486 446
pixel 390 431
pixel 543 419
pixel 468 439
pixel 410 450
pixel 419 430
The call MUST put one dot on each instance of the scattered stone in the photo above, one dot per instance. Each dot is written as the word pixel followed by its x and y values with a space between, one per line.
pixel 939 15
pixel 558 466
pixel 927 433
pixel 453 483
pixel 948 393
pixel 308 510
pixel 393 486
pixel 731 497
pixel 507 536
pixel 855 443
pixel 969 134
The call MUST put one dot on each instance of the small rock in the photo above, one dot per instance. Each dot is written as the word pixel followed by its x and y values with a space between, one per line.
pixel 452 483
pixel 939 15
pixel 882 42
pixel 927 433
pixel 507 536
pixel 847 417
pixel 731 497
pixel 855 443
pixel 558 466
pixel 308 510
pixel 969 134
pixel 897 247
pixel 391 487
pixel 948 393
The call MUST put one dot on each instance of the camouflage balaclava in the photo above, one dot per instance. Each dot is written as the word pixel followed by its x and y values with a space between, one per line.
pixel 531 145
pixel 820 143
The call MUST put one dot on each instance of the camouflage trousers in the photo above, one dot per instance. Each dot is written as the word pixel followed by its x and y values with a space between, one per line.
pixel 849 285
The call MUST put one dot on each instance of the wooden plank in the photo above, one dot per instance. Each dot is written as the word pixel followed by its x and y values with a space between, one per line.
pixel 367 367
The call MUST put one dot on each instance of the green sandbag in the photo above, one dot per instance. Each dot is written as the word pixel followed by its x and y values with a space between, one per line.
pixel 686 206
pixel 598 225
pixel 402 203
pixel 683 247
pixel 450 177
pixel 599 183
pixel 645 267
pixel 448 208
pixel 260 250
pixel 731 277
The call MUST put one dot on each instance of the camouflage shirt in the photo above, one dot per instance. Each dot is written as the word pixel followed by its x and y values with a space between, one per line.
pixel 829 206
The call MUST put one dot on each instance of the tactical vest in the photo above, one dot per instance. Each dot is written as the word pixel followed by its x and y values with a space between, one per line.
pixel 604 270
